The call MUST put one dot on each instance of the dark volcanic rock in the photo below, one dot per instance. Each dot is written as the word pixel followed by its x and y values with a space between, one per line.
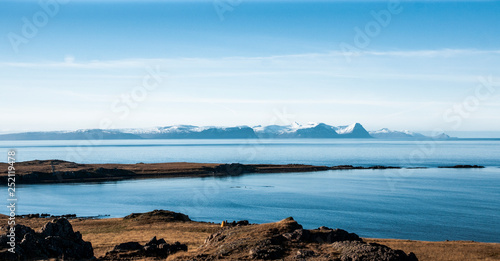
pixel 383 167
pixel 266 251
pixel 321 235
pixel 55 240
pixel 462 167
pixel 232 169
pixel 159 215
pixel 59 228
pixel 327 236
pixel 235 223
pixel 349 167
pixel 359 251
pixel 155 242
pixel 34 177
pixel 305 253
pixel 127 246
pixel 154 248
pixel 287 240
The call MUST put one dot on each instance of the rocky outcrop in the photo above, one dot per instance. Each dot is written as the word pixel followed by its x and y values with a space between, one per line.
pixel 158 215
pixel 359 251
pixel 58 171
pixel 55 240
pixel 287 240
pixel 71 176
pixel 232 169
pixel 158 249
pixel 322 235
pixel 235 223
pixel 462 167
pixel 349 167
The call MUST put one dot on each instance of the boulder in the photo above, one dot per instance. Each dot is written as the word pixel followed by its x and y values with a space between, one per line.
pixel 158 215
pixel 323 235
pixel 55 240
pixel 155 242
pixel 360 251
pixel 287 240
pixel 155 248
pixel 129 246
pixel 328 236
pixel 58 228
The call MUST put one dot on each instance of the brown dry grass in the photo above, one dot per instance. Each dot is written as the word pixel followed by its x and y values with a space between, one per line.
pixel 47 170
pixel 45 166
pixel 238 241
pixel 106 233
pixel 444 251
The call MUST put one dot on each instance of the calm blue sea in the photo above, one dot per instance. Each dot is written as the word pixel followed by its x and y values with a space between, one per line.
pixel 419 204
pixel 361 152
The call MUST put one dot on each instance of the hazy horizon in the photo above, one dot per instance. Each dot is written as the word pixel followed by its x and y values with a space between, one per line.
pixel 455 134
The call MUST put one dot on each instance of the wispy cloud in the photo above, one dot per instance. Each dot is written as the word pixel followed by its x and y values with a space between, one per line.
pixel 377 103
pixel 140 62
pixel 95 64
pixel 433 53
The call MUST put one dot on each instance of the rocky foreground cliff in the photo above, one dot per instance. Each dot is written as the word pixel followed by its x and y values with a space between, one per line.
pixel 165 235
pixel 284 240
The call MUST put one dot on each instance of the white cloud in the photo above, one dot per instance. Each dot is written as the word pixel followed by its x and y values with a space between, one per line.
pixel 433 53
pixel 69 61
pixel 405 86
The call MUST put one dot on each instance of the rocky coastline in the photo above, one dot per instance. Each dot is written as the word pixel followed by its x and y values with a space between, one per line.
pixel 283 240
pixel 59 171
pixel 167 235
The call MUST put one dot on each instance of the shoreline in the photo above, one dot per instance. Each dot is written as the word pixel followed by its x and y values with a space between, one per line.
pixel 70 217
pixel 59 171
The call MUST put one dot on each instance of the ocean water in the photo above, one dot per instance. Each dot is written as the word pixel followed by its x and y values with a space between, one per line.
pixel 420 204
pixel 328 152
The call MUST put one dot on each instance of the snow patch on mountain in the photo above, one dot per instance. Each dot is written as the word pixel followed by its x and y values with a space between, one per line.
pixel 293 130
pixel 347 129
pixel 405 134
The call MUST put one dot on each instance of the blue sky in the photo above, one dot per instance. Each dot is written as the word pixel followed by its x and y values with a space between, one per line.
pixel 428 65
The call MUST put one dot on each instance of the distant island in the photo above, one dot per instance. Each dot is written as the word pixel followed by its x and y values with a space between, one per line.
pixel 292 131
pixel 57 171
pixel 60 171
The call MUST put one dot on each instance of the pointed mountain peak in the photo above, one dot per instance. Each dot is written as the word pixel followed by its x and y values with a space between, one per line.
pixel 322 125
pixel 355 130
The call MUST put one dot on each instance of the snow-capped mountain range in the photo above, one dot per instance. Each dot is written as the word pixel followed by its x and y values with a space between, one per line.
pixel 311 130
pixel 390 134
pixel 295 130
